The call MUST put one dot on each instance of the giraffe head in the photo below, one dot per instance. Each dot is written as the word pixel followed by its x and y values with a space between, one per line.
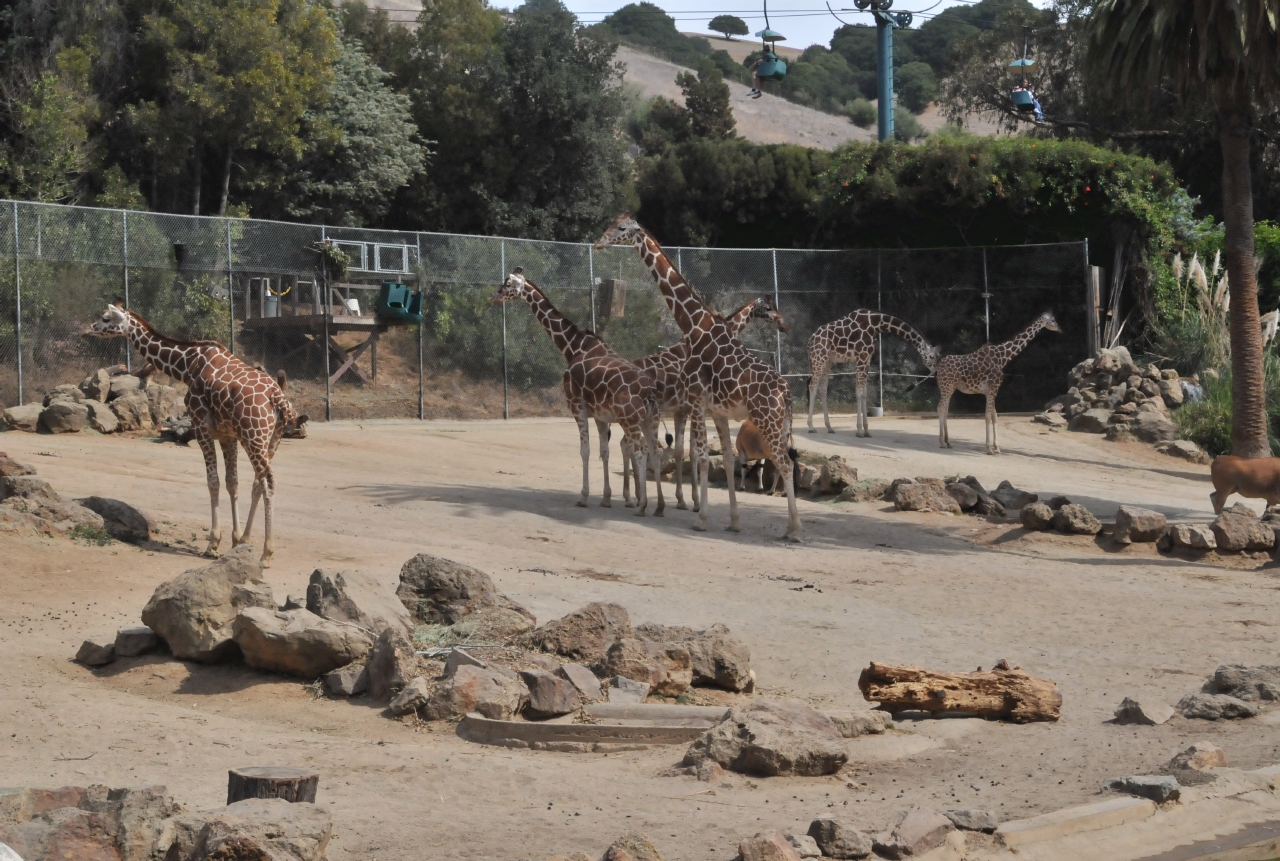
pixel 513 288
pixel 931 355
pixel 1048 321
pixel 113 323
pixel 624 231
pixel 765 310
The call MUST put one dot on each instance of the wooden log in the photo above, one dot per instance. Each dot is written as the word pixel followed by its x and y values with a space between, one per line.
pixel 1005 693
pixel 274 781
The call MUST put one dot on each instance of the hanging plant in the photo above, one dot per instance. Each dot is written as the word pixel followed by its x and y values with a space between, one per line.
pixel 336 261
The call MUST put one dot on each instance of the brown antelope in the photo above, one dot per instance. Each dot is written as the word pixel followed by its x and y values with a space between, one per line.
pixel 752 453
pixel 1252 478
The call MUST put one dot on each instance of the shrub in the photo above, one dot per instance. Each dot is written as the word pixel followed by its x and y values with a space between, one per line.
pixel 861 112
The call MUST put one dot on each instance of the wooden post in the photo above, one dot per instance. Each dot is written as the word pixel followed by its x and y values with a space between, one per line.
pixel 274 781
pixel 1093 308
pixel 1006 693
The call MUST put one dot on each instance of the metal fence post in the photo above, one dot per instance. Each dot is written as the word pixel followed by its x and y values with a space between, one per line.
pixel 986 294
pixel 591 284
pixel 777 333
pixel 231 291
pixel 422 330
pixel 879 336
pixel 506 403
pixel 128 351
pixel 1090 307
pixel 328 380
pixel 17 291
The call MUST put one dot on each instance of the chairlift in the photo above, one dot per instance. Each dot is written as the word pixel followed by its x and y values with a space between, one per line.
pixel 773 68
pixel 1023 99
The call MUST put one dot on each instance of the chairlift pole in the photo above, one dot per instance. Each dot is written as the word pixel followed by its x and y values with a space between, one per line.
pixel 885 22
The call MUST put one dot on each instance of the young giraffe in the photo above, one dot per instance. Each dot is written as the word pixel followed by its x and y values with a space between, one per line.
pixel 981 373
pixel 720 377
pixel 852 339
pixel 665 368
pixel 229 402
pixel 599 384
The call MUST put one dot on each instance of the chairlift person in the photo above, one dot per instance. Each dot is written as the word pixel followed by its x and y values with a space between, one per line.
pixel 1034 100
pixel 754 68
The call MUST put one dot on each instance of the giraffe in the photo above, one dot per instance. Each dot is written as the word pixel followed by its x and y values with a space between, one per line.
pixel 229 402
pixel 981 373
pixel 720 377
pixel 852 339
pixel 599 384
pixel 665 367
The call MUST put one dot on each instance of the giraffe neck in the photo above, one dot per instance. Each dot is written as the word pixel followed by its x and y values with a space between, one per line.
pixel 1019 342
pixel 568 338
pixel 168 355
pixel 904 330
pixel 686 306
pixel 738 320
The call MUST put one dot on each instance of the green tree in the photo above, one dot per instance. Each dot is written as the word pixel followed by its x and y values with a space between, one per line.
pixel 1223 53
pixel 906 127
pixel 706 98
pixel 729 25
pixel 862 113
pixel 917 86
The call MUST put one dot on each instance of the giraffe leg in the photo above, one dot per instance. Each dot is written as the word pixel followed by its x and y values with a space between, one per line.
pixel 655 458
pixel 777 443
pixel 994 446
pixel 264 486
pixel 584 448
pixel 698 429
pixel 695 477
pixel 231 467
pixel 864 427
pixel 944 404
pixel 640 460
pixel 730 466
pixel 606 498
pixel 815 380
pixel 205 441
pixel 822 391
pixel 679 419
pixel 628 467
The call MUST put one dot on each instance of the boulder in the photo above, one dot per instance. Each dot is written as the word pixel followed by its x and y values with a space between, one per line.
pixel 94 823
pixel 1075 519
pixel 1158 787
pixel 412 697
pixel 1036 516
pixel 165 402
pixel 97 386
pixel 1171 392
pixel 101 418
pixel 1186 450
pixel 922 497
pixel 1011 497
pixel 1052 419
pixel 62 516
pixel 297 642
pixel 1215 707
pixel 194 612
pixel 1153 427
pixel 1251 684
pixel 917 831
pixel 973 820
pixel 28 487
pixel 1237 532
pixel 585 634
pixel 1056 502
pixel 769 846
pixel 870 723
pixel 549 696
pixel 1241 509
pixel 1196 536
pixel 121 385
pixel 96 652
pixel 864 490
pixel 769 737
pixel 10 467
pixel 256 829
pixel 583 680
pixel 805 846
pixel 440 591
pixel 132 411
pixel 1144 712
pixel 719 659
pixel 357 599
pixel 836 475
pixel 122 520
pixel 24 418
pixel 667 668
pixel 461 658
pixel 1091 421
pixel 497 624
pixel 392 663
pixel 495 693
pixel 838 839
pixel 1198 757
pixel 135 640
pixel 348 681
pixel 989 506
pixel 964 495
pixel 64 417
pixel 632 847
pixel 1138 524
pixel 623 690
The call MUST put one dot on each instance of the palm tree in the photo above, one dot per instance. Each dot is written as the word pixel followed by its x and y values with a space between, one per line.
pixel 1223 54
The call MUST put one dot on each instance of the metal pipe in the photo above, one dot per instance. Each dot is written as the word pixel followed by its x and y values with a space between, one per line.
pixel 879 335
pixel 777 333
pixel 128 352
pixel 591 284
pixel 328 381
pixel 986 294
pixel 884 75
pixel 17 292
pixel 506 402
pixel 231 290
pixel 422 334
pixel 1090 308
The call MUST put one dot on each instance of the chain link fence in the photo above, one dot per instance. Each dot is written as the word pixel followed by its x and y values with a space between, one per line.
pixel 265 290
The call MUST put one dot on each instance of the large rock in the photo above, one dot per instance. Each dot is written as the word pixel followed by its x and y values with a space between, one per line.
pixel 441 591
pixel 62 516
pixel 1052 419
pixel 1171 392
pixel 583 680
pixel 412 697
pixel 94 823
pixel 357 599
pixel 770 737
pixel 925 497
pixel 836 475
pixel 1144 712
pixel 1215 707
pixel 864 490
pixel 666 667
pixel 64 392
pixel 122 520
pixel 632 847
pixel 97 386
pixel 1199 756
pixel 973 820
pixel 1037 516
pixel 244 831
pixel 1184 449
pixel 623 690
pixel 767 846
pixel 719 659
pixel 494 692
pixel 24 418
pixel 10 467
pixel 804 845
pixel 101 418
pixel 1236 532
pixel 1251 684
pixel 549 696
pixel 392 663
pixel 132 411
pixel 122 385
pixel 96 652
pixel 28 487
pixel 1011 497
pixel 1158 787
pixel 165 403
pixel 1075 519
pixel 585 634
pixel 1138 524
pixel 1091 421
pixel 297 642
pixel 135 640
pixel 1196 536
pixel 348 681
pixel 194 612
pixel 1153 427
pixel 868 723
pixel 916 832
pixel 964 495
pixel 64 417
pixel 838 839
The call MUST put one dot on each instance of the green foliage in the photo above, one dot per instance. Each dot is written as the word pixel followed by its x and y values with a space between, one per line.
pixel 820 79
pixel 917 86
pixel 118 192
pixel 645 26
pixel 195 309
pixel 1208 423
pixel 706 99
pixel 862 113
pixel 90 535
pixel 729 25
pixel 906 127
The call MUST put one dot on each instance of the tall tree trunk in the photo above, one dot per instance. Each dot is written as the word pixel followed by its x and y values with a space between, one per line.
pixel 1248 384
pixel 226 181
pixel 198 171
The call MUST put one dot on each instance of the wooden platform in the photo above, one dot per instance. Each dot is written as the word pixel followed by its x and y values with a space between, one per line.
pixel 297 333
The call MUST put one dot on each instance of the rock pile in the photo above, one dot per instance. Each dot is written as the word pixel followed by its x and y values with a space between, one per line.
pixel 109 400
pixel 1235 691
pixel 29 505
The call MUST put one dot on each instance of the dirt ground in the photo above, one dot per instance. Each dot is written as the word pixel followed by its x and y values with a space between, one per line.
pixel 950 593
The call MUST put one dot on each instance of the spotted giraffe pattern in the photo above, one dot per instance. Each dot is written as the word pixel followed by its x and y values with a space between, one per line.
pixel 852 338
pixel 229 402
pixel 720 377
pixel 598 384
pixel 981 373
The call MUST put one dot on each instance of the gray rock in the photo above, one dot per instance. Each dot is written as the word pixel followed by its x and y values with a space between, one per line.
pixel 1075 519
pixel 1146 713
pixel 1159 788
pixel 62 516
pixel 1153 427
pixel 917 831
pixel 1037 516
pixel 357 599
pixel 922 497
pixel 461 658
pixel 10 467
pixel 1056 502
pixel 870 723
pixel 132 411
pixel 1052 419
pixel 164 402
pixel 348 681
pixel 256 829
pixel 549 696
pixel 28 487
pixel 586 634
pixel 1236 532
pixel 973 482
pixel 135 640
pixel 1092 421
pixel 1196 536
pixel 864 490
pixel 964 495
pixel 837 839
pixel 101 418
pixel 1171 392
pixel 835 475
pixel 392 663
pixel 97 386
pixel 719 659
pixel 122 520
pixel 494 693
pixel 1198 757
pixel 1138 524
pixel 123 384
pixel 440 591
pixel 805 846
pixel 1251 684
pixel 294 602
pixel 194 612
pixel 1215 707
pixel 630 847
pixel 24 418
pixel 583 680
pixel 64 417
pixel 297 642
pixel 767 846
pixel 624 690
pixel 770 737
pixel 667 668
pixel 989 506
pixel 411 698
pixel 1186 450
pixel 96 652
pixel 1241 509
pixel 973 820
pixel 1011 497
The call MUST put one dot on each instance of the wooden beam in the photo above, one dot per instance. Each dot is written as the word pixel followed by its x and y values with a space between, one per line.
pixel 1005 693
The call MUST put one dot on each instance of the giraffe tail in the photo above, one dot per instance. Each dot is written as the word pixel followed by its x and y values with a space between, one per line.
pixel 795 468
pixel 281 379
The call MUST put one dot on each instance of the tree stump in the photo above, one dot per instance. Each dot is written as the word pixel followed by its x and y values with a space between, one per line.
pixel 273 781
pixel 1002 693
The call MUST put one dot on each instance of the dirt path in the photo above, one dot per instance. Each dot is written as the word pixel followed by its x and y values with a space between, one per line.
pixel 893 587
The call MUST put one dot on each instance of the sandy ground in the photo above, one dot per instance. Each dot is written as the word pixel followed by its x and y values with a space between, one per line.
pixel 950 593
